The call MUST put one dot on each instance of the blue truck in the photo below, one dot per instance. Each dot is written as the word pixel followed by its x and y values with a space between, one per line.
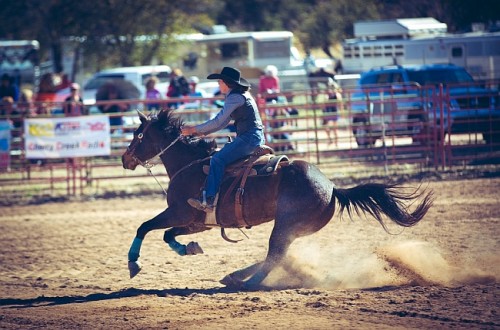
pixel 423 101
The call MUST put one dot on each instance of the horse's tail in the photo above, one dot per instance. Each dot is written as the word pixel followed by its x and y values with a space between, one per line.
pixel 377 199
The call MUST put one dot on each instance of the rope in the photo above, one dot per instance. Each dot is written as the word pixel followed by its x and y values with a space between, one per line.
pixel 148 166
pixel 151 173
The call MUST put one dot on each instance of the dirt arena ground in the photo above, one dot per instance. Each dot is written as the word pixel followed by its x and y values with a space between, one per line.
pixel 64 266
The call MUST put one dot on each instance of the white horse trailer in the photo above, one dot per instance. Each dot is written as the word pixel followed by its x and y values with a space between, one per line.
pixel 421 41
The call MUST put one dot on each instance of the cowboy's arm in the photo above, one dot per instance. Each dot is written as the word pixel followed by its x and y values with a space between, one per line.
pixel 220 121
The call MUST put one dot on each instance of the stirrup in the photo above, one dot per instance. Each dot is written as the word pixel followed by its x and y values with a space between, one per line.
pixel 202 204
pixel 199 205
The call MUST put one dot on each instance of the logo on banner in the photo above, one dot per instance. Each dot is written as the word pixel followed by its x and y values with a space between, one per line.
pixel 41 129
pixel 97 126
pixel 67 128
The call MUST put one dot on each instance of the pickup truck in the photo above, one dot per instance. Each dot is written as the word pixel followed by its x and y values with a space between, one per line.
pixel 422 101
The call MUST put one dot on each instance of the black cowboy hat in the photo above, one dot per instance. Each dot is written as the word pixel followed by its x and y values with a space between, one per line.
pixel 232 75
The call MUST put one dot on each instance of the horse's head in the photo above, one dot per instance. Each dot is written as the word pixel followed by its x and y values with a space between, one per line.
pixel 155 133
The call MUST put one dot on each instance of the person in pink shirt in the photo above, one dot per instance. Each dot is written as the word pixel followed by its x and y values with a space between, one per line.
pixel 152 93
pixel 269 83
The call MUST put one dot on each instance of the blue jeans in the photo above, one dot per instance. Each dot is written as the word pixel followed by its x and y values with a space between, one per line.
pixel 243 145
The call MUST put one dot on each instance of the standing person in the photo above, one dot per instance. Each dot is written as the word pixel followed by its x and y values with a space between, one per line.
pixel 332 109
pixel 65 82
pixel 7 88
pixel 25 103
pixel 115 122
pixel 73 104
pixel 309 63
pixel 269 83
pixel 195 103
pixel 240 106
pixel 276 125
pixel 152 93
pixel 177 87
pixel 195 93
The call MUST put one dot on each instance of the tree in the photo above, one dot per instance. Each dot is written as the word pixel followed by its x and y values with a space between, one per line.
pixel 110 32
pixel 331 21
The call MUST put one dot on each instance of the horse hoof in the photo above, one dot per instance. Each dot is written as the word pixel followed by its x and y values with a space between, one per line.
pixel 231 282
pixel 193 248
pixel 134 268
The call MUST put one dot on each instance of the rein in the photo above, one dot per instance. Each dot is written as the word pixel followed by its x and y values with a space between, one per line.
pixel 146 163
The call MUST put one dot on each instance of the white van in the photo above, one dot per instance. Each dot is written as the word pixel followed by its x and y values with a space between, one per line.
pixel 138 75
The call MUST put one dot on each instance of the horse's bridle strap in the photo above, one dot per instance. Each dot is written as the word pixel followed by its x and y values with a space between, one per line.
pixel 146 163
pixel 188 165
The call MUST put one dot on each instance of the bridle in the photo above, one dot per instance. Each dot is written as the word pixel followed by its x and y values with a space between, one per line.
pixel 146 164
pixel 131 148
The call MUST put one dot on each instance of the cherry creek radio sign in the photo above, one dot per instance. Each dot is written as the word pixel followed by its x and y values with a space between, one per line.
pixel 67 137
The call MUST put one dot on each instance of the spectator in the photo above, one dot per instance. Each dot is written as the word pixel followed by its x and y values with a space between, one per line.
pixel 6 107
pixel 114 107
pixel 195 92
pixel 196 104
pixel 269 83
pixel 331 110
pixel 152 93
pixel 178 87
pixel 73 104
pixel 65 82
pixel 276 125
pixel 319 80
pixel 25 103
pixel 309 63
pixel 7 88
pixel 339 68
pixel 8 111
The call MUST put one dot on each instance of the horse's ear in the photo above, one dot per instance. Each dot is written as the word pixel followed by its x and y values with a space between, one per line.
pixel 142 116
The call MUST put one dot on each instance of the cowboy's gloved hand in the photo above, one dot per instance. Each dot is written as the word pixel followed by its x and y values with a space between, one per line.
pixel 188 130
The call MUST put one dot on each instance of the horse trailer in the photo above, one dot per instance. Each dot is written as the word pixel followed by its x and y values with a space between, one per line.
pixel 421 41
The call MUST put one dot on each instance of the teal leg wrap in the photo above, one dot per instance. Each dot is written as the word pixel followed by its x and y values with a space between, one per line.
pixel 133 253
pixel 177 247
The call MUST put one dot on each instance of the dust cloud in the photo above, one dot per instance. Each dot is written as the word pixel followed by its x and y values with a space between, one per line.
pixel 403 263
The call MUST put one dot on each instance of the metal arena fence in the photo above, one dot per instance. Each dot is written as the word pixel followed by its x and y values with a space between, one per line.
pixel 378 132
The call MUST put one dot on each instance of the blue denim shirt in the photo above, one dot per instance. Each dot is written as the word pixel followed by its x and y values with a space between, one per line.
pixel 232 102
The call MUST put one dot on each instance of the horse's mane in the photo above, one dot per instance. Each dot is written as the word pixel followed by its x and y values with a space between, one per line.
pixel 172 125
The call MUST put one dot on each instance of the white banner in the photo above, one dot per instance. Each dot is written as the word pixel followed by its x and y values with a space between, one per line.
pixel 5 127
pixel 67 137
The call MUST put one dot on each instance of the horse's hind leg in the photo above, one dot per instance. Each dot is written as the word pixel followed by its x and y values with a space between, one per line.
pixel 279 242
pixel 181 249
pixel 237 277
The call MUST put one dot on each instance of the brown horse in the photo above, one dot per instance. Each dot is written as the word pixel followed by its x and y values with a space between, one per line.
pixel 297 196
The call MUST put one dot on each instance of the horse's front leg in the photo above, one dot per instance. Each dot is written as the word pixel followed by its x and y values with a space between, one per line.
pixel 166 219
pixel 192 248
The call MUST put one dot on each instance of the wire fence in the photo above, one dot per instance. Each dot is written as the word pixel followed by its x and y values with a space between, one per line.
pixel 396 133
